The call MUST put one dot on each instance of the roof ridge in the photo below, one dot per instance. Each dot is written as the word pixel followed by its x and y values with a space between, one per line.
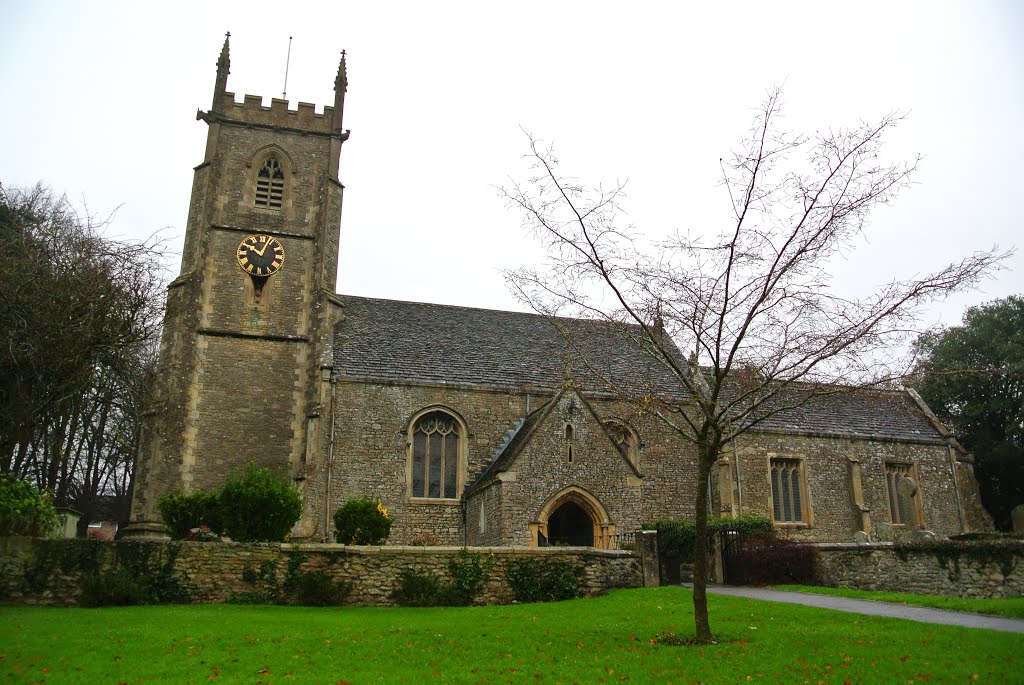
pixel 484 309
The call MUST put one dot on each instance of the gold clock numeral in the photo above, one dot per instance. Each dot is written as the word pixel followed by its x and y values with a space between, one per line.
pixel 253 258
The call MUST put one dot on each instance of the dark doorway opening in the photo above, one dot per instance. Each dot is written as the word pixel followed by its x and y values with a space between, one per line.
pixel 570 524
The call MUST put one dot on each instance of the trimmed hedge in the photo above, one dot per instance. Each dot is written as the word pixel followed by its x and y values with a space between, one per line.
pixel 362 522
pixel 259 506
pixel 676 536
pixel 766 559
pixel 182 512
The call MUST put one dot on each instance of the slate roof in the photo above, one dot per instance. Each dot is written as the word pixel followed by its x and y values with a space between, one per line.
pixel 889 414
pixel 507 453
pixel 389 340
pixel 395 341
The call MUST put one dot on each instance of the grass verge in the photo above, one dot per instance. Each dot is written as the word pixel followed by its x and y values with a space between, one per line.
pixel 618 637
pixel 1010 608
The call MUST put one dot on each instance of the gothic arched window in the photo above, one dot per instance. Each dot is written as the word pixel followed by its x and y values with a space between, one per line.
pixel 270 184
pixel 437 441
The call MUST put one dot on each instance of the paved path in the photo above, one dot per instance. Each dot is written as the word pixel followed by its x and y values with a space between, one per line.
pixel 866 606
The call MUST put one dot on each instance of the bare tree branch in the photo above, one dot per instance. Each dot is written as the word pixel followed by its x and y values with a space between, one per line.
pixel 753 302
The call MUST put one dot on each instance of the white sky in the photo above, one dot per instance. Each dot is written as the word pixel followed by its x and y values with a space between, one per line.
pixel 100 101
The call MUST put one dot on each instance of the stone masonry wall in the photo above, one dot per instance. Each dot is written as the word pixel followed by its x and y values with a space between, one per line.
pixel 596 467
pixel 829 498
pixel 979 569
pixel 371 458
pixel 49 572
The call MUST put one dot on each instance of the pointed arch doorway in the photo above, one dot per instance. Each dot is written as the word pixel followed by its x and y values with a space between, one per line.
pixel 573 517
pixel 570 524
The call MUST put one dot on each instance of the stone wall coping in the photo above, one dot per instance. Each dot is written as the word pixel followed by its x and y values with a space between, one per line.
pixel 849 546
pixel 369 550
pixel 914 545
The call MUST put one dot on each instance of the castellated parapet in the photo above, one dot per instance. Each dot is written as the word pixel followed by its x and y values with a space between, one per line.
pixel 252 111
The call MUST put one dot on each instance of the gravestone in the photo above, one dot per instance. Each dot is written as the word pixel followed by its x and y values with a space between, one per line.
pixel 1017 516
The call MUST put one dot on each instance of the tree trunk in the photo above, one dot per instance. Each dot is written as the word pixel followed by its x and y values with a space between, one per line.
pixel 706 455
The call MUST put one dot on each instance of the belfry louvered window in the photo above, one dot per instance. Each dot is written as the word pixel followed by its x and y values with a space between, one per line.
pixel 270 184
pixel 787 494
pixel 435 456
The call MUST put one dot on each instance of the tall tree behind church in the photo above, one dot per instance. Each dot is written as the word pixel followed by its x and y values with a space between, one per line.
pixel 972 376
pixel 79 315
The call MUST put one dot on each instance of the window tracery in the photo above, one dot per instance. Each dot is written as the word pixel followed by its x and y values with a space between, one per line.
pixel 436 444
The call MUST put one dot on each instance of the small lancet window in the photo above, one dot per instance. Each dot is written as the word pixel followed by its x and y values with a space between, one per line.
pixel 569 440
pixel 270 184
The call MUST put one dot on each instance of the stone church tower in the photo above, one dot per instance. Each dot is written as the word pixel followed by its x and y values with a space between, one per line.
pixel 249 318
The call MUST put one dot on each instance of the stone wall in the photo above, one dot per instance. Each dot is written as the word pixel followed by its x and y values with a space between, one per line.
pixel 371 458
pixel 835 471
pixel 49 572
pixel 978 569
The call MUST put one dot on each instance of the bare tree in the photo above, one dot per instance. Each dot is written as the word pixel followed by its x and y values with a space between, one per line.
pixel 79 320
pixel 751 303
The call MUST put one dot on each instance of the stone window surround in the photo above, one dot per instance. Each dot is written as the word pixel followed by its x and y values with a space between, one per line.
pixel 460 467
pixel 917 511
pixel 807 510
pixel 255 163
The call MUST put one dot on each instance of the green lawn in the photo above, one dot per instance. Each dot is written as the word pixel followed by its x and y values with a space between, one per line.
pixel 606 639
pixel 1011 608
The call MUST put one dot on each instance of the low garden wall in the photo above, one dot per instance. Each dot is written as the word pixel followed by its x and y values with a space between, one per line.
pixel 977 569
pixel 51 572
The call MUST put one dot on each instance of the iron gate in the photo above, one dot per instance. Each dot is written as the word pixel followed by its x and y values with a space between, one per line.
pixel 736 559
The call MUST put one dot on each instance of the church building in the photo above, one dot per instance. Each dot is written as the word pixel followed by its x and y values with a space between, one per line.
pixel 472 426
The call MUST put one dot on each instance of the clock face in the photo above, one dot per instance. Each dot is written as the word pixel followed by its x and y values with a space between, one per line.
pixel 260 255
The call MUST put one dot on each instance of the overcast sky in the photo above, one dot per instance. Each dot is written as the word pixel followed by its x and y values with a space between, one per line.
pixel 100 101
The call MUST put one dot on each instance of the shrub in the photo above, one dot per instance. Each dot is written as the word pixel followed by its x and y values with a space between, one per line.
pixel 24 510
pixel 362 522
pixel 416 589
pixel 421 589
pixel 676 536
pixel 468 575
pixel 318 589
pixel 112 589
pixel 765 559
pixel 259 506
pixel 543 580
pixel 182 512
